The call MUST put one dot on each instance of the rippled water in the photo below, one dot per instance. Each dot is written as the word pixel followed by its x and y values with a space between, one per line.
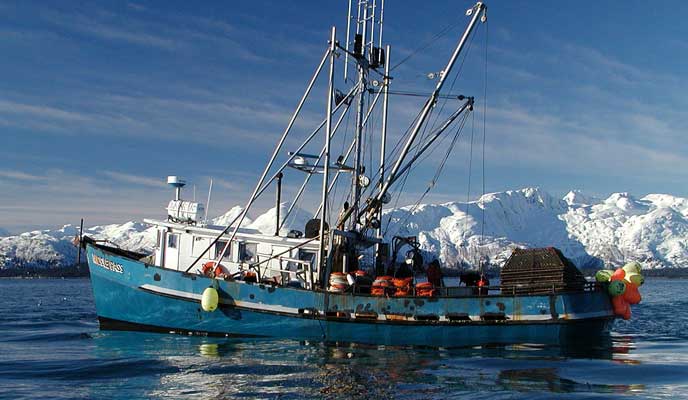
pixel 50 347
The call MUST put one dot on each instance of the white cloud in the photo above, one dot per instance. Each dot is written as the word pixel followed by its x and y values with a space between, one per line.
pixel 136 179
pixel 42 111
pixel 19 175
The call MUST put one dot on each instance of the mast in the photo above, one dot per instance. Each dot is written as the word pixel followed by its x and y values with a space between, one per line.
pixel 368 55
pixel 383 139
pixel 328 133
pixel 478 11
pixel 362 88
pixel 379 249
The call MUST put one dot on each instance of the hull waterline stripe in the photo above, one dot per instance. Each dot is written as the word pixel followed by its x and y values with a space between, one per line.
pixel 237 303
pixel 110 324
pixel 295 312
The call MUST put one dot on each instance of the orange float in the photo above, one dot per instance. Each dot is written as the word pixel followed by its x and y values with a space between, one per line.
pixel 213 269
pixel 632 294
pixel 618 275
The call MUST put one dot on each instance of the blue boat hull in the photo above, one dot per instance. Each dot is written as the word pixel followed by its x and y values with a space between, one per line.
pixel 131 295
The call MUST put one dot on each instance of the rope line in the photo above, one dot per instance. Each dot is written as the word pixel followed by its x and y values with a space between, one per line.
pixel 470 172
pixel 427 44
pixel 482 227
pixel 438 172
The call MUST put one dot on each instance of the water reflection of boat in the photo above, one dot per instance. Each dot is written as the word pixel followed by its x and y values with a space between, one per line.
pixel 226 367
pixel 276 285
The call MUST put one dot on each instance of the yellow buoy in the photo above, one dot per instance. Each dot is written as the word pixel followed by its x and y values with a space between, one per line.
pixel 210 299
pixel 632 266
pixel 634 278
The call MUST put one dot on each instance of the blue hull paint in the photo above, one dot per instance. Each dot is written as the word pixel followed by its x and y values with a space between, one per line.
pixel 132 295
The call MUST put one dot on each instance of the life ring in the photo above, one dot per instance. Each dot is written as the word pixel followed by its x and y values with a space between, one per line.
pixel 213 269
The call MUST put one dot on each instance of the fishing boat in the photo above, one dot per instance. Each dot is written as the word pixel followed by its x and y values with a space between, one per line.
pixel 338 278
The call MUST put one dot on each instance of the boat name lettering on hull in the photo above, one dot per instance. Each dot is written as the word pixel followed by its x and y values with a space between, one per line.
pixel 107 264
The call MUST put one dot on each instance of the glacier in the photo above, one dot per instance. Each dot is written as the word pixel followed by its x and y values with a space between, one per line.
pixel 592 232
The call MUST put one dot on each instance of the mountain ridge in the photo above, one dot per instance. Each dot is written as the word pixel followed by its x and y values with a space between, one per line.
pixel 592 232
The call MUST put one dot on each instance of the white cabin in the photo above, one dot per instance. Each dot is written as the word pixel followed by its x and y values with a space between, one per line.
pixel 185 242
pixel 272 258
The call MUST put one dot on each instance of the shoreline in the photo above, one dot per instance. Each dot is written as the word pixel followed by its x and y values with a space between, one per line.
pixel 73 271
pixel 81 271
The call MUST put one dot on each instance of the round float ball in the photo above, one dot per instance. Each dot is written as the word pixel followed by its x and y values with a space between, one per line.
pixel 603 275
pixel 209 299
pixel 634 278
pixel 632 295
pixel 632 266
pixel 616 288
pixel 619 304
pixel 618 275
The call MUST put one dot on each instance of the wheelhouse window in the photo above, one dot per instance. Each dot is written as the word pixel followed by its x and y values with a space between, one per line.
pixel 219 246
pixel 248 252
pixel 172 241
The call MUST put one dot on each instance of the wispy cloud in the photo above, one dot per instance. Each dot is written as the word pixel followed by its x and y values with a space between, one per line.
pixel 116 33
pixel 135 179
pixel 124 30
pixel 136 6
pixel 20 176
pixel 11 107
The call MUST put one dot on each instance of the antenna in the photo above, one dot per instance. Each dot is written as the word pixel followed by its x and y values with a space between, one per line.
pixel 177 183
pixel 367 20
pixel 207 204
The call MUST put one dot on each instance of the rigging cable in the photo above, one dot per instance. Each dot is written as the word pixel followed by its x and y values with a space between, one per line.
pixel 468 191
pixel 439 170
pixel 347 126
pixel 393 156
pixel 427 44
pixel 482 228
pixel 445 98
pixel 402 225
pixel 437 115
pixel 456 77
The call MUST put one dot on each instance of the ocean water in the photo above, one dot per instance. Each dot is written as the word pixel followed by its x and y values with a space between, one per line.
pixel 50 347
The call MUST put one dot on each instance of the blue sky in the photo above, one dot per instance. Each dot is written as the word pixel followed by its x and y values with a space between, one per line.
pixel 99 101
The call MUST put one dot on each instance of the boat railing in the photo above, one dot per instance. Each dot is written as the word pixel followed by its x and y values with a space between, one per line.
pixel 288 275
pixel 513 290
pixel 263 268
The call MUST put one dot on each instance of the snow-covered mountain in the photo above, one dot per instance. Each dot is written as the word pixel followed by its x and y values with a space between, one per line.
pixel 54 248
pixel 51 248
pixel 230 216
pixel 590 231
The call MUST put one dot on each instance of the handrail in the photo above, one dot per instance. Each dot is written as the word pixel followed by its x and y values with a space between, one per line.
pixel 586 287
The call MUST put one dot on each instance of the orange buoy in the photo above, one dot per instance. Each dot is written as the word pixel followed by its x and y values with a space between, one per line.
pixel 383 285
pixel 618 275
pixel 627 312
pixel 425 289
pixel 632 294
pixel 619 305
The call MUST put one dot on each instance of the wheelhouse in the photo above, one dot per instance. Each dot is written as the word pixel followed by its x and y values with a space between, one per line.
pixel 275 259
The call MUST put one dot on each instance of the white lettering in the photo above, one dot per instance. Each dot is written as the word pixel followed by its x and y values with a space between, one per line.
pixel 107 264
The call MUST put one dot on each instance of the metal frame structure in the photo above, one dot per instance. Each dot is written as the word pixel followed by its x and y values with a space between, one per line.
pixel 368 19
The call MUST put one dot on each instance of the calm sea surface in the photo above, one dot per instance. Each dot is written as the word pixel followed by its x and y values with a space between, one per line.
pixel 50 347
